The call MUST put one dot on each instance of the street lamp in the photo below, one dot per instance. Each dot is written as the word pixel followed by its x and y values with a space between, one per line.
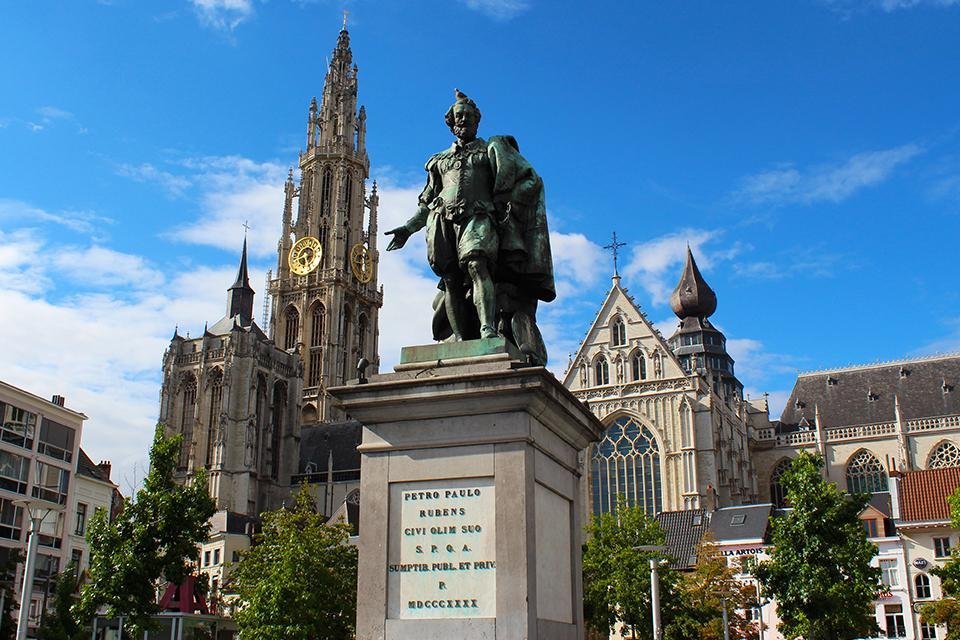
pixel 656 559
pixel 34 509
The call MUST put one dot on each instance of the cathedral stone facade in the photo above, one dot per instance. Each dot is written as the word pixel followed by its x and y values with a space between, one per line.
pixel 679 428
pixel 242 398
pixel 234 396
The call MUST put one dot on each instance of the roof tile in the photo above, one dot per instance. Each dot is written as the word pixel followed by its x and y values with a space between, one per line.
pixel 923 494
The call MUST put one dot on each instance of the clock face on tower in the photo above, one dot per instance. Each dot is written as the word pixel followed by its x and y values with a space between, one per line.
pixel 361 263
pixel 305 255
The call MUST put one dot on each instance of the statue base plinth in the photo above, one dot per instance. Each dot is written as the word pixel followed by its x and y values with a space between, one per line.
pixel 470 509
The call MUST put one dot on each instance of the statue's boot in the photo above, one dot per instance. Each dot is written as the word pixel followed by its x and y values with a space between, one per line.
pixel 527 336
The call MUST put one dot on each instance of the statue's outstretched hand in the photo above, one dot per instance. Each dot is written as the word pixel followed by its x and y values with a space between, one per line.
pixel 400 236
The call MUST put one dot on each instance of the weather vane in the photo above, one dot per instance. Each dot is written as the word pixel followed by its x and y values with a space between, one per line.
pixel 614 247
pixel 246 228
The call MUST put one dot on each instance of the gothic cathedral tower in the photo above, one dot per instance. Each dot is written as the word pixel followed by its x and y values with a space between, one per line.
pixel 325 295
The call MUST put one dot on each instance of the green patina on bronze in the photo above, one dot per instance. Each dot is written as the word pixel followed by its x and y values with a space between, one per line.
pixel 485 216
pixel 442 351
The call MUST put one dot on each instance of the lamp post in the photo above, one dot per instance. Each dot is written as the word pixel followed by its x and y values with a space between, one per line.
pixel 38 510
pixel 656 559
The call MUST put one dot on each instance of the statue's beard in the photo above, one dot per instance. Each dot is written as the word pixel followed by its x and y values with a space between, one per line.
pixel 465 132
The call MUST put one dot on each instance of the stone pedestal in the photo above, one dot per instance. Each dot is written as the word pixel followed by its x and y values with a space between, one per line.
pixel 469 509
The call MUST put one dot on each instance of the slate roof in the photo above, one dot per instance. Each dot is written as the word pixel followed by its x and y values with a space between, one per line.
pixel 224 326
pixel 743 522
pixel 842 394
pixel 923 494
pixel 87 467
pixel 317 441
pixel 683 531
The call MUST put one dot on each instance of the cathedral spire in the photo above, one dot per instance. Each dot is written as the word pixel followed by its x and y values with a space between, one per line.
pixel 240 295
pixel 693 297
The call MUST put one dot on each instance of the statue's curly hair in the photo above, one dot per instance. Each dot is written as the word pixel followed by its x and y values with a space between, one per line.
pixel 461 99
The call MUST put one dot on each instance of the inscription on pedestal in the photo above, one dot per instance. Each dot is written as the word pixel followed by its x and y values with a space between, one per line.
pixel 441 560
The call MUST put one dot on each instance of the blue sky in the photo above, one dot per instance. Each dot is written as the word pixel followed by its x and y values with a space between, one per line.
pixel 807 150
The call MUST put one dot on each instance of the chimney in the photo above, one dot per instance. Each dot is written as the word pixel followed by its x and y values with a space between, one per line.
pixel 105 467
pixel 58 400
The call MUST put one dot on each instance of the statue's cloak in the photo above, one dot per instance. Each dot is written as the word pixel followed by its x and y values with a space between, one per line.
pixel 525 259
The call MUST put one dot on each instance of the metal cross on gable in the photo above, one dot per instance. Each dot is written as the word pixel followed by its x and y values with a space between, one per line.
pixel 614 248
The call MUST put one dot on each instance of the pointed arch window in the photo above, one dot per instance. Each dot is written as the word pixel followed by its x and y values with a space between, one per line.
pixel 279 411
pixel 188 403
pixel 291 328
pixel 865 474
pixel 213 418
pixel 945 454
pixel 627 462
pixel 618 332
pixel 601 371
pixel 638 366
pixel 345 342
pixel 778 495
pixel 318 321
pixel 361 335
pixel 326 186
pixel 348 196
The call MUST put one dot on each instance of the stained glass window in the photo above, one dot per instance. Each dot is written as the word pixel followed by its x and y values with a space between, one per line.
pixel 626 462
pixel 865 474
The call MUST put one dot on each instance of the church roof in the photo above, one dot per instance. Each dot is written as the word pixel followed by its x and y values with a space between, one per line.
pixel 924 387
pixel 693 297
pixel 923 494
pixel 226 325
pixel 319 441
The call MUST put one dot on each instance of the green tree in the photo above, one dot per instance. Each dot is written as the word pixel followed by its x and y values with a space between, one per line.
pixel 946 610
pixel 616 576
pixel 59 623
pixel 702 595
pixel 8 572
pixel 819 570
pixel 299 579
pixel 154 538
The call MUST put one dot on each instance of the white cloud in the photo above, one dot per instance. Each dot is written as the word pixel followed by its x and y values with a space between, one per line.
pixel 234 191
pixel 97 266
pixel 824 183
pixel 657 264
pixel 86 222
pixel 408 283
pixel 20 270
pixel 808 261
pixel 51 113
pixel 498 9
pixel 223 15
pixel 174 185
pixel 888 6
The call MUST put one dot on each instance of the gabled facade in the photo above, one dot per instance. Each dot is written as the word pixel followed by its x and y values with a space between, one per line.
pixel 678 434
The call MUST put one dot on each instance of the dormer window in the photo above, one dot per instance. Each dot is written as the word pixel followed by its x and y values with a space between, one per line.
pixel 872 397
pixel 831 381
pixel 904 372
pixel 798 404
pixel 947 388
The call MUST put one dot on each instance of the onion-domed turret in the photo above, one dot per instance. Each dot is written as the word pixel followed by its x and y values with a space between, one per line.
pixel 693 297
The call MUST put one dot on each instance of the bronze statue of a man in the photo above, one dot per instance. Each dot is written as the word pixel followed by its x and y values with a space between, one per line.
pixel 487 239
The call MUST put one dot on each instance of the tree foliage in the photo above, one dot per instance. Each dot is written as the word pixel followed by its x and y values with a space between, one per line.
pixel 58 622
pixel 704 592
pixel 819 570
pixel 154 538
pixel 8 572
pixel 299 579
pixel 947 609
pixel 616 576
